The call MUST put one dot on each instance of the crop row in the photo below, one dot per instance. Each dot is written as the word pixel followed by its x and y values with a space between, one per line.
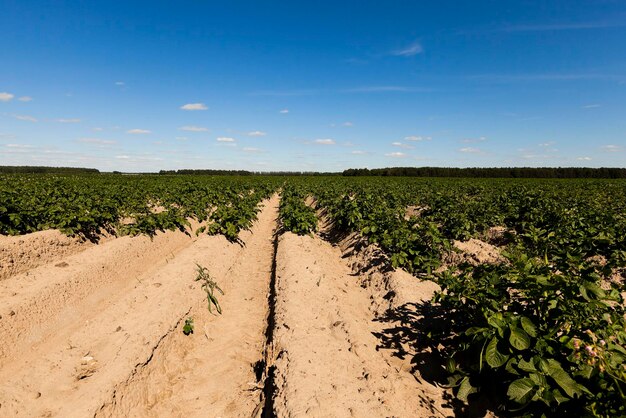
pixel 540 333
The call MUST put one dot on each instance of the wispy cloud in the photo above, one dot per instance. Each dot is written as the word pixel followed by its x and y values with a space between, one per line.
pixel 123 157
pixel 386 89
pixel 326 141
pixel 591 106
pixel 560 26
pixel 473 140
pixel 470 150
pixel 25 99
pixel 612 148
pixel 408 51
pixel 19 146
pixel 287 93
pixel 72 120
pixel 194 106
pixel 6 97
pixel 191 128
pixel 547 144
pixel 96 141
pixel 584 158
pixel 138 131
pixel 25 118
pixel 512 78
pixel 257 133
pixel 225 139
pixel 120 83
pixel 348 124
pixel 358 152
pixel 283 111
pixel 417 138
pixel 402 145
pixel 251 149
pixel 396 155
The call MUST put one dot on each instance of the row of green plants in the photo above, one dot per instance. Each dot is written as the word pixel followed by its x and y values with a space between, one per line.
pixel 145 204
pixel 541 333
pixel 295 215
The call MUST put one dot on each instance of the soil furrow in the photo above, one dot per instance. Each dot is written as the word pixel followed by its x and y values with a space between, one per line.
pixel 328 358
pixel 75 372
pixel 212 371
pixel 52 298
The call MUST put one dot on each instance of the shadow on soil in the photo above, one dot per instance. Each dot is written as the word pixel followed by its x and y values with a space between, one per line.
pixel 408 334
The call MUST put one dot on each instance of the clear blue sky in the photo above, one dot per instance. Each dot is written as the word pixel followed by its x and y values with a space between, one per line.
pixel 319 85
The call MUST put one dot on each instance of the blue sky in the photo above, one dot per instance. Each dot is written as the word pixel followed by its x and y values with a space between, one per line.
pixel 148 85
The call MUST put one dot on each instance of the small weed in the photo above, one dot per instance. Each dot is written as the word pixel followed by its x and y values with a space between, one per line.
pixel 209 285
pixel 188 327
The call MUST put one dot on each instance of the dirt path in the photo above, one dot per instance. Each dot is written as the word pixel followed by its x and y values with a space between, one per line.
pixel 105 353
pixel 328 363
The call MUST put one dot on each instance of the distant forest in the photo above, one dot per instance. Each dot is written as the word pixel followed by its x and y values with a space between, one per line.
pixel 504 172
pixel 55 170
pixel 496 172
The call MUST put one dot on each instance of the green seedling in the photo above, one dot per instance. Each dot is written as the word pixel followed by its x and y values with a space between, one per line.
pixel 209 285
pixel 188 327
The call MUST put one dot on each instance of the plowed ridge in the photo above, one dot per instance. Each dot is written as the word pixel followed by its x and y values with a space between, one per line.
pixel 99 333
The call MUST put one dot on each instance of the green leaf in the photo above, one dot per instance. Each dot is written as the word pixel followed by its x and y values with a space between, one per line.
pixel 521 390
pixel 519 339
pixel 493 357
pixel 527 366
pixel 528 326
pixel 562 378
pixel 465 389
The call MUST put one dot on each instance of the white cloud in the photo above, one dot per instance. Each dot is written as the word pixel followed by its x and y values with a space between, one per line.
pixel 401 145
pixel 591 106
pixel 584 158
pixel 396 155
pixel 25 99
pixel 225 139
pixel 120 83
pixel 470 150
pixel 73 120
pixel 410 51
pixel 612 148
pixel 96 141
pixel 358 152
pixel 122 157
pixel 6 97
pixel 547 144
pixel 18 146
pixel 138 131
pixel 251 149
pixel 348 124
pixel 284 111
pixel 326 141
pixel 97 129
pixel 417 138
pixel 257 133
pixel 194 106
pixel 25 118
pixel 181 138
pixel 473 140
pixel 193 129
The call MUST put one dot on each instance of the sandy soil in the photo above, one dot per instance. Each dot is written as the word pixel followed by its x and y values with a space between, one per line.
pixel 100 339
pixel 304 330
pixel 24 252
pixel 328 361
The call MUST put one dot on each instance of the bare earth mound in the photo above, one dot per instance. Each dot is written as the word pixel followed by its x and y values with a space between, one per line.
pixel 328 361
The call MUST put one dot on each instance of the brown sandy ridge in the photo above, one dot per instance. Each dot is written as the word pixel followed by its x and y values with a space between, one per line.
pixel 99 333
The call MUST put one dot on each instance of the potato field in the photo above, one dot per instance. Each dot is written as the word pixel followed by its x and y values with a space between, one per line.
pixel 288 296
